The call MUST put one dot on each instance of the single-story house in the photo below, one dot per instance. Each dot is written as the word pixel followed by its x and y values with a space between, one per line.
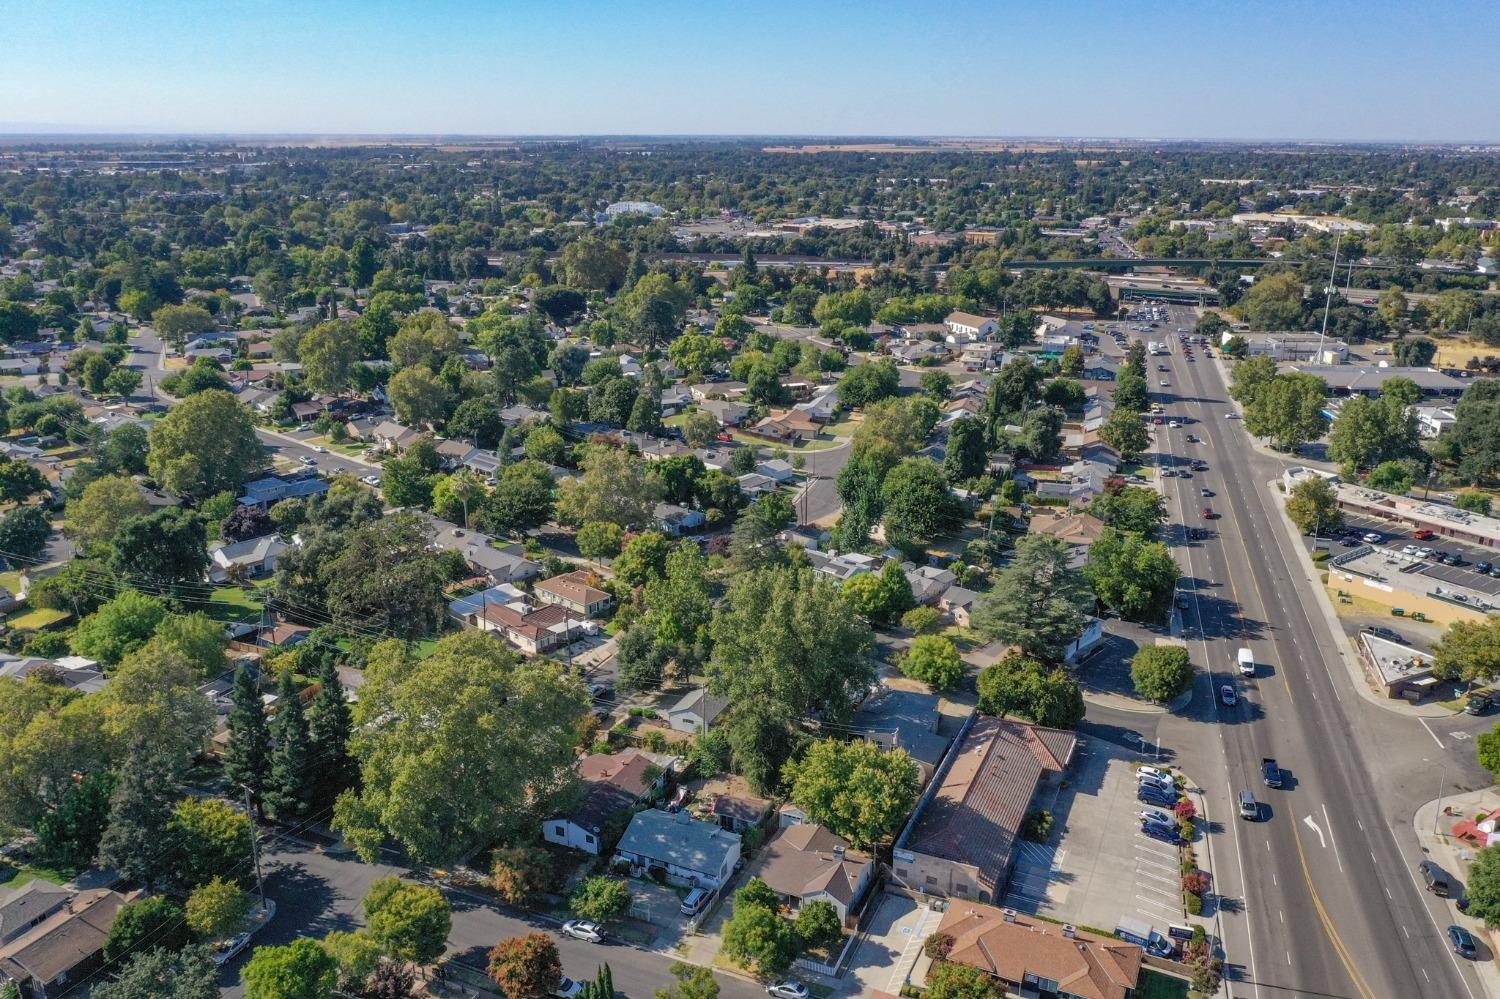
pixel 777 469
pixel 928 582
pixel 1032 957
pixel 73 672
pixel 844 565
pixel 675 520
pixel 721 390
pixel 273 489
pixel 573 591
pixel 612 782
pixel 532 630
pixel 689 851
pixel 739 812
pixel 822 407
pixel 252 558
pixel 807 863
pixel 903 719
pixel 500 593
pixel 696 711
pixel 506 563
pixel 284 635
pixel 754 485
pixel 726 411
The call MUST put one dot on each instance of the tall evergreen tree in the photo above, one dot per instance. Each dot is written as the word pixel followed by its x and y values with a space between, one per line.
pixel 247 762
pixel 286 791
pixel 140 807
pixel 329 723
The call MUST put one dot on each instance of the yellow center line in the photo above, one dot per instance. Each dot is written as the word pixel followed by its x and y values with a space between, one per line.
pixel 1333 936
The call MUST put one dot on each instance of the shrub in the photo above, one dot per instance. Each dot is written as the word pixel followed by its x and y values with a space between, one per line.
pixel 1161 672
pixel 1037 827
pixel 1194 904
pixel 938 946
pixel 1186 809
pixel 922 620
pixel 1185 830
pixel 1195 882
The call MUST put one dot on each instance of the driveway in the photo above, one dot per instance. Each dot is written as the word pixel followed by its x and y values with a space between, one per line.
pixel 892 944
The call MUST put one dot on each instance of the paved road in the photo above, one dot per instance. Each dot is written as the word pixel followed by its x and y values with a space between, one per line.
pixel 316 893
pixel 1331 907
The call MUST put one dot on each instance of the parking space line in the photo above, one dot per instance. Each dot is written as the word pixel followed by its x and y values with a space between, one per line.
pixel 1156 877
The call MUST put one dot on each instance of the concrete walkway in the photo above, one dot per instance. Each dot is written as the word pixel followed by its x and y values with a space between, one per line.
pixel 1432 823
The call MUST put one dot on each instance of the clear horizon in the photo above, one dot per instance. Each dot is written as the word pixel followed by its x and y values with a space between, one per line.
pixel 1344 72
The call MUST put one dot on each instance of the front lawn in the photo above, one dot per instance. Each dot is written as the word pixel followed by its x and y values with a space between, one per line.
pixel 14 875
pixel 1155 985
pixel 38 618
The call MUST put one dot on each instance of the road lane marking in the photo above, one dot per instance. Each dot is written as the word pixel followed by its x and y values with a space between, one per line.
pixel 1432 733
pixel 1307 820
pixel 1334 839
pixel 1333 936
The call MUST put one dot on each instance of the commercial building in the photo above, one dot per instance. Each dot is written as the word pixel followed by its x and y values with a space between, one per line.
pixel 1035 958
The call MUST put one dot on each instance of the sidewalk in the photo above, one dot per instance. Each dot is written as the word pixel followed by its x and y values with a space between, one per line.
pixel 1453 855
pixel 1352 663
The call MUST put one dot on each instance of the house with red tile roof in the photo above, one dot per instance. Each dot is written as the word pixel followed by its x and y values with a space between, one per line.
pixel 1031 957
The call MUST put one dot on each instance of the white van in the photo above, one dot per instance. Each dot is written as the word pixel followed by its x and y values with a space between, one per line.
pixel 1246 662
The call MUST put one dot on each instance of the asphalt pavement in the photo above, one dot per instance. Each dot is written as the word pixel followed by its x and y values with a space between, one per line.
pixel 1323 899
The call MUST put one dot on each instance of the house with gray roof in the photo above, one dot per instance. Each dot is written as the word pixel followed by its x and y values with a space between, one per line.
pixel 253 558
pixel 691 852
pixel 696 711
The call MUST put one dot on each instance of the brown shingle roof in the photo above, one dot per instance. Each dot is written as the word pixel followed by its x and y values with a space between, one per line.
pixel 1085 965
pixel 801 860
pixel 976 814
pixel 573 586
pixel 65 939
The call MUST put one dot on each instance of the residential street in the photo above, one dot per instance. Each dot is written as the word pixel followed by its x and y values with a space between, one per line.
pixel 316 892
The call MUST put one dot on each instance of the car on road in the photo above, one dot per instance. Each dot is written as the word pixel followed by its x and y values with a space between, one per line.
pixel 1231 416
pixel 320 449
pixel 1165 383
pixel 1174 425
pixel 1206 492
pixel 339 470
pixel 1249 807
pixel 1371 538
pixel 567 988
pixel 1208 513
pixel 308 459
pixel 1462 941
pixel 1228 696
pixel 788 989
pixel 1270 772
pixel 1162 367
pixel 370 480
pixel 583 929
pixel 1169 473
pixel 1192 439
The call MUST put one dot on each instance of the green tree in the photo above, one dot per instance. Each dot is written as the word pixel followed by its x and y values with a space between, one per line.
pixel 119 627
pixel 594 263
pixel 204 445
pixel 697 354
pixel 856 789
pixel 1414 351
pixel 1468 651
pixel 819 926
pixel 162 551
pixel 1484 886
pixel 757 936
pixel 640 659
pixel 1474 502
pixel 330 723
pixel 882 597
pixel 521 500
pixel 1391 477
pixel 175 323
pixel 601 899
pixel 643 559
pixel 599 540
pixel 1161 672
pixel 1249 376
pixel 679 602
pixel 410 922
pixel 158 973
pixel 935 661
pixel 106 503
pixel 1132 576
pixel 147 924
pixel 1313 506
pixel 1133 509
pixel 966 451
pixel 328 353
pixel 1369 432
pixel 947 980
pixel 526 967
pixel 1037 602
pixel 19 481
pixel 1274 302
pixel 868 383
pixel 699 428
pixel 24 534
pixel 1487 749
pixel 1289 410
pixel 418 396
pixel 613 486
pixel 123 382
pixel 1030 689
pixel 755 542
pixel 1125 431
pixel 1391 307
pixel 210 840
pixel 287 789
pixel 472 744
pixel 917 502
pixel 546 445
pixel 68 835
pixel 247 757
pixel 300 970
pixel 216 909
pixel 405 483
pixel 693 982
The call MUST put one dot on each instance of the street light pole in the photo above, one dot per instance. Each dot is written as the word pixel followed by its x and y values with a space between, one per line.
pixel 260 885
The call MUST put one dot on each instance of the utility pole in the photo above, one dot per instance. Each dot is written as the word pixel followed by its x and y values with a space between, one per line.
pixel 260 885
pixel 1328 297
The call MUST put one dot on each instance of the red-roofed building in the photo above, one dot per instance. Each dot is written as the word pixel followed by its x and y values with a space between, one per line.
pixel 612 782
pixel 963 842
pixel 1036 958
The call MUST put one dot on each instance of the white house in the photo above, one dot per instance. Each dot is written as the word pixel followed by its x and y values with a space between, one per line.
pixel 696 711
pixel 254 558
pixel 965 327
pixel 691 852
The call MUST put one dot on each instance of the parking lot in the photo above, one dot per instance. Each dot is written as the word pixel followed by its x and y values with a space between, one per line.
pixel 1397 536
pixel 1098 866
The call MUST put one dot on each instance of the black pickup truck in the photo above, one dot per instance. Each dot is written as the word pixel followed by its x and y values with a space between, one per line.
pixel 1270 772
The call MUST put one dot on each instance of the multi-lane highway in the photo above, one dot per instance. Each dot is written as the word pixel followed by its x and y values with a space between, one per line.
pixel 1328 903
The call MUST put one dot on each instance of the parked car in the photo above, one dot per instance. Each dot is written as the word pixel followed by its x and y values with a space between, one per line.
pixel 695 901
pixel 308 460
pixel 583 929
pixel 1156 815
pixel 567 988
pixel 1156 796
pixel 1484 567
pixel 1149 771
pixel 1372 538
pixel 1422 535
pixel 320 449
pixel 1462 941
pixel 788 989
pixel 1167 834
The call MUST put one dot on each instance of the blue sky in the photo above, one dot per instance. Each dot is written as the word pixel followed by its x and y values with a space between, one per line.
pixel 1229 69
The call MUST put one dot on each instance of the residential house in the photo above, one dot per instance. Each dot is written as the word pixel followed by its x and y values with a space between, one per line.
pixel 395 436
pixel 696 711
pixel 688 851
pixel 674 399
pixel 284 635
pixel 916 351
pixel 963 840
pixel 496 563
pixel 1033 957
pixel 533 631
pixel 573 591
pixel 501 593
pixel 728 412
pixel 844 566
pixel 823 406
pixel 485 464
pixel 979 356
pixel 1433 420
pixel 273 489
pixel 51 938
pixel 928 582
pixel 807 863
pixel 1076 530
pixel 718 390
pixel 452 453
pixel 755 485
pixel 74 672
pixel 903 719
pixel 787 426
pixel 739 813
pixel 249 559
pixel 958 603
pixel 781 471
pixel 612 782
pixel 675 521
pixel 1101 369
pixel 965 327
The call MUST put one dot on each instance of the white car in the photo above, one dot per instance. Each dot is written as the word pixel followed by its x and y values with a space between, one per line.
pixel 1371 539
pixel 567 988
pixel 308 459
pixel 371 480
pixel 1231 416
pixel 1174 425
pixel 1165 383
pixel 1157 815
pixel 1160 773
pixel 320 449
pixel 789 989
pixel 1410 550
pixel 582 929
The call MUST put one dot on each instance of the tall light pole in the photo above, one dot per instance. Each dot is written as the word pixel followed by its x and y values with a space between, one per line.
pixel 1328 297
